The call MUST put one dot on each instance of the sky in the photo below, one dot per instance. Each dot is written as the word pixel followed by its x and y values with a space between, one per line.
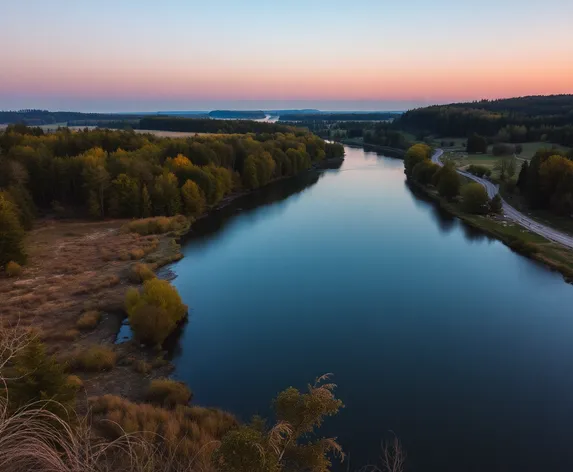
pixel 148 55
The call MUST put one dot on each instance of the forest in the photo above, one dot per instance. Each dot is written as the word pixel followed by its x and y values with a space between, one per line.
pixel 349 116
pixel 109 173
pixel 515 120
pixel 206 125
pixel 45 117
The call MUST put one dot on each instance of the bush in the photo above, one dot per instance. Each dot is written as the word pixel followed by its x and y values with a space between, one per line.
pixel 13 269
pixel 156 225
pixel 448 181
pixel 88 320
pixel 480 171
pixel 496 204
pixel 142 367
pixel 139 273
pixel 475 199
pixel 155 312
pixel 75 382
pixel 168 393
pixel 185 430
pixel 95 359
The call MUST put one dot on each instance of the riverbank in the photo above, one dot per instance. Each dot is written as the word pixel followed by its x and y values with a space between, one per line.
pixel 528 244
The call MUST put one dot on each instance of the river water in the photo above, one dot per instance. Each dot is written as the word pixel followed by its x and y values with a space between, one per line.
pixel 445 337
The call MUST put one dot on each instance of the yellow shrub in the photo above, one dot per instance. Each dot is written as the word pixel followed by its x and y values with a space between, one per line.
pixel 75 382
pixel 13 269
pixel 140 273
pixel 96 358
pixel 136 253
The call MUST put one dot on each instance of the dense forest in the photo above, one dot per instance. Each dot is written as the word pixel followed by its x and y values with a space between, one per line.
pixel 237 114
pixel 516 120
pixel 199 125
pixel 45 117
pixel 332 117
pixel 103 173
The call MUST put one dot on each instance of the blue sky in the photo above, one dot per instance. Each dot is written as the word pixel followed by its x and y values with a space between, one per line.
pixel 125 55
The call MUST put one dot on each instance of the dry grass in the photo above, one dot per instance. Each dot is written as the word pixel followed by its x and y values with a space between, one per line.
pixel 75 381
pixel 185 431
pixel 168 393
pixel 156 225
pixel 142 367
pixel 95 359
pixel 136 254
pixel 89 320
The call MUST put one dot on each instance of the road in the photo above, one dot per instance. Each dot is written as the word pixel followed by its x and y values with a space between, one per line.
pixel 510 212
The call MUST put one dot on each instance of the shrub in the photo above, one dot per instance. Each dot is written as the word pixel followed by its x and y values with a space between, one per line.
pixel 155 312
pixel 480 171
pixel 13 269
pixel 156 225
pixel 88 320
pixel 496 204
pixel 96 358
pixel 186 431
pixel 140 273
pixel 168 393
pixel 75 382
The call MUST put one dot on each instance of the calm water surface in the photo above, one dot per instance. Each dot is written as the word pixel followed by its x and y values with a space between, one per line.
pixel 461 347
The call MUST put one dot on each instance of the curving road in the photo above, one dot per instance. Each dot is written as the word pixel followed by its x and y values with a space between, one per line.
pixel 511 213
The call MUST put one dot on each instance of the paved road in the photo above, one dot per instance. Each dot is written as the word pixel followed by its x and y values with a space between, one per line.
pixel 511 213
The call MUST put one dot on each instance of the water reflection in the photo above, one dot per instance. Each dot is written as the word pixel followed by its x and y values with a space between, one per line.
pixel 248 206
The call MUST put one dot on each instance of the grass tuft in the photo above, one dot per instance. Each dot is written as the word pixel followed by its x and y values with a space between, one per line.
pixel 168 393
pixel 96 359
pixel 89 320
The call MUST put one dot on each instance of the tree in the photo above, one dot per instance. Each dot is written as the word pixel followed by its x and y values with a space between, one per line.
pixel 475 199
pixel 522 178
pixel 193 199
pixel 146 207
pixel 155 311
pixel 502 149
pixel 166 195
pixel 518 149
pixel 448 181
pixel 424 171
pixel 414 155
pixel 476 144
pixel 507 167
pixel 11 233
pixel 496 204
pixel 288 444
pixel 39 377
pixel 124 199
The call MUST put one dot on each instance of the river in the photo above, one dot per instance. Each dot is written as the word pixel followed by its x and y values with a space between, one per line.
pixel 447 338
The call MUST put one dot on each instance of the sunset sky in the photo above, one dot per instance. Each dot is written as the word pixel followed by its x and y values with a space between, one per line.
pixel 146 55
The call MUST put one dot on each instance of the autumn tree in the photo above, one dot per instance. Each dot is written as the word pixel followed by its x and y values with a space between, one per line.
pixel 166 195
pixel 146 206
pixel 124 199
pixel 290 444
pixel 414 155
pixel 193 199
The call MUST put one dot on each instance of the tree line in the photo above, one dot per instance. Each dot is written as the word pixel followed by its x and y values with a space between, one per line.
pixel 206 125
pixel 109 173
pixel 515 120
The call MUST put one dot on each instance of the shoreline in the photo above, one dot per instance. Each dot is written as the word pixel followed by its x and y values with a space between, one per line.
pixel 510 241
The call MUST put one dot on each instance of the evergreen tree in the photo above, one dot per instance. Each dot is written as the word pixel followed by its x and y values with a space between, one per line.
pixel 39 377
pixel 11 233
pixel 522 179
